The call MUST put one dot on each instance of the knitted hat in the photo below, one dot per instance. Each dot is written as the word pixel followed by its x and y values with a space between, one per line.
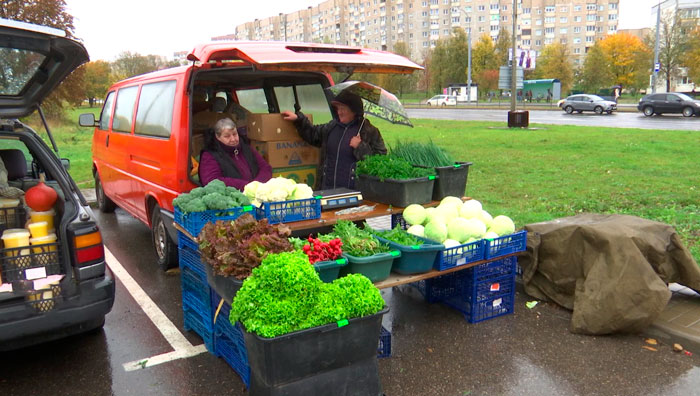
pixel 351 100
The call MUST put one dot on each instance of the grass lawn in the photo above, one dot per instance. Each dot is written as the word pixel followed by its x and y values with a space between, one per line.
pixel 536 175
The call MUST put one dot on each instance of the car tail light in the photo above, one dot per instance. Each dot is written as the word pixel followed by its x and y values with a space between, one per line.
pixel 87 246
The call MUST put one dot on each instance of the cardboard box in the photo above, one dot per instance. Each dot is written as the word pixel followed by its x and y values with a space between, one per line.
pixel 270 127
pixel 300 174
pixel 286 153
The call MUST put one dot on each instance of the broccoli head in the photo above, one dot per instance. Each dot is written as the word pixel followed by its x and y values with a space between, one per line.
pixel 215 186
pixel 193 205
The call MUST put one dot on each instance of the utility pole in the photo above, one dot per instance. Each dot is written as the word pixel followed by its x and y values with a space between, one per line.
pixel 469 55
pixel 514 64
pixel 655 69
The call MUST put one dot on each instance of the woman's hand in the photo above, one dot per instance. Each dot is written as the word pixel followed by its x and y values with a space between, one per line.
pixel 289 116
pixel 355 141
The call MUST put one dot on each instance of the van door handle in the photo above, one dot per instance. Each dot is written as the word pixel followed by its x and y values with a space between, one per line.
pixel 107 141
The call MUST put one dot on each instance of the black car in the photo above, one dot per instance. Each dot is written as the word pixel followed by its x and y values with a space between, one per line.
pixel 671 102
pixel 54 279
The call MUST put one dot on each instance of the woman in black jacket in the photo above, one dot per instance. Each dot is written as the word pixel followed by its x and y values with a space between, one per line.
pixel 343 141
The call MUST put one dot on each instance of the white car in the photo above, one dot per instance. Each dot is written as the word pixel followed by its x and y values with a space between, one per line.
pixel 442 100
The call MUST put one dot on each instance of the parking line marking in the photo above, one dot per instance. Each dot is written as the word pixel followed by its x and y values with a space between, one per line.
pixel 182 348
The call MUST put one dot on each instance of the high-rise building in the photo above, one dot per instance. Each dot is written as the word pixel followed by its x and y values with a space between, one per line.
pixel 380 24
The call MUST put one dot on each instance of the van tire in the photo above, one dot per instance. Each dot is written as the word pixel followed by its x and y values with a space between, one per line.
pixel 105 204
pixel 165 248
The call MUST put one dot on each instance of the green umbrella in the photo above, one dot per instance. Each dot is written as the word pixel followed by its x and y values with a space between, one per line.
pixel 375 100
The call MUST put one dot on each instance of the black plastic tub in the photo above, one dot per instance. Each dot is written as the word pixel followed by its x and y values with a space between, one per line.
pixel 395 192
pixel 225 286
pixel 334 359
pixel 451 180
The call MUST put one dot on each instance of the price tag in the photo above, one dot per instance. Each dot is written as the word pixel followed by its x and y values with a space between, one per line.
pixel 497 302
pixel 495 287
pixel 462 261
pixel 35 273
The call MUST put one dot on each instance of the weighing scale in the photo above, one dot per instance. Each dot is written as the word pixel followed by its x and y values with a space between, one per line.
pixel 338 198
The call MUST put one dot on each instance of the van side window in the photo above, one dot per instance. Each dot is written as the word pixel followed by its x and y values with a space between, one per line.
pixel 253 99
pixel 154 116
pixel 124 111
pixel 312 100
pixel 106 111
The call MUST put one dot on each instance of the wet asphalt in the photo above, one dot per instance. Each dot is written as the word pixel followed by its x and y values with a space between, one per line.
pixel 435 351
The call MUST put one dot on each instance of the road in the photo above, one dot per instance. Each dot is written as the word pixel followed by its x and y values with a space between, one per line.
pixel 434 350
pixel 619 119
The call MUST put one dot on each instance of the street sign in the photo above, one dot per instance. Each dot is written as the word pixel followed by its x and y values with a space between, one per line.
pixel 504 81
pixel 657 67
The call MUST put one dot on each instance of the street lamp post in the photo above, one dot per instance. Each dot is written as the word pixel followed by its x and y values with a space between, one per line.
pixel 514 64
pixel 469 55
pixel 655 71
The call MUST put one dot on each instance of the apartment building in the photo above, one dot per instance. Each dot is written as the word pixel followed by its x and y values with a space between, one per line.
pixel 380 24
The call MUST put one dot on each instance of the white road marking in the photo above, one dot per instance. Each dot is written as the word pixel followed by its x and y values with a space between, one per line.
pixel 182 348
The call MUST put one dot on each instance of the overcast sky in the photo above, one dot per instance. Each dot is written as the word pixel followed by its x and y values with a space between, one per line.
pixel 162 27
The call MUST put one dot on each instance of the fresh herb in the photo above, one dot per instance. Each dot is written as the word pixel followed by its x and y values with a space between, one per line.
pixel 397 235
pixel 234 248
pixel 390 167
pixel 357 242
pixel 425 154
pixel 285 294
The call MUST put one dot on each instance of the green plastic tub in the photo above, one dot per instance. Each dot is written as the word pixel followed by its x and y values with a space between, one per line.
pixel 414 259
pixel 376 267
pixel 328 270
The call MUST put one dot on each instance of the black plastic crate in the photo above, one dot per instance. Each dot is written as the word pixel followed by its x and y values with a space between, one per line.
pixel 16 261
pixel 12 218
pixel 44 300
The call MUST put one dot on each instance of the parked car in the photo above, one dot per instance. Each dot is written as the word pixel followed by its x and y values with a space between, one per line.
pixel 442 100
pixel 149 136
pixel 60 285
pixel 583 102
pixel 671 102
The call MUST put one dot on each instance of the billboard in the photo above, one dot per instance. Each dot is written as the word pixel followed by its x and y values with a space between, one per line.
pixel 525 58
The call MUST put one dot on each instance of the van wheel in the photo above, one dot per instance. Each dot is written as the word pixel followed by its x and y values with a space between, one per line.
pixel 105 204
pixel 165 248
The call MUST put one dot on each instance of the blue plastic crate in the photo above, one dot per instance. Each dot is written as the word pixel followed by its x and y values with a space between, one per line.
pixel 200 325
pixel 196 291
pixel 506 244
pixel 384 349
pixel 485 300
pixel 228 339
pixel 442 287
pixel 194 222
pixel 493 269
pixel 460 255
pixel 191 259
pixel 288 211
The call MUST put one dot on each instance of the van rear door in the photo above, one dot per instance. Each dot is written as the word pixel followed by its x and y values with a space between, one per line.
pixel 283 56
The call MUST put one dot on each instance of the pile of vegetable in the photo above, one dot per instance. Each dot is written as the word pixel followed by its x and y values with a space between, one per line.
pixel 234 248
pixel 318 250
pixel 275 190
pixel 357 242
pixel 425 154
pixel 214 196
pixel 390 167
pixel 397 235
pixel 454 222
pixel 285 294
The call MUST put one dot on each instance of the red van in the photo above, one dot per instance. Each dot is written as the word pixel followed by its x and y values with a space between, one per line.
pixel 150 131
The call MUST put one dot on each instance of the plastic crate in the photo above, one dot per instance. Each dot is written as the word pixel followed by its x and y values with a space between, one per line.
pixel 506 244
pixel 228 340
pixel 460 255
pixel 196 292
pixel 451 181
pixel 442 287
pixel 414 259
pixel 188 254
pixel 376 267
pixel 394 192
pixel 194 222
pixel 16 261
pixel 44 300
pixel 12 218
pixel 485 300
pixel 328 271
pixel 202 325
pixel 493 269
pixel 384 349
pixel 289 211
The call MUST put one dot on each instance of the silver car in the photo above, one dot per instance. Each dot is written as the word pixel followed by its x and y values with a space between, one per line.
pixel 583 102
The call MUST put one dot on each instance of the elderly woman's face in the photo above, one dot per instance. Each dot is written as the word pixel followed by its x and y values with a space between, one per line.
pixel 229 137
pixel 345 115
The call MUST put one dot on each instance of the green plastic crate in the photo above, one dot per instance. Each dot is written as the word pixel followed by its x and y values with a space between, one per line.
pixel 328 270
pixel 376 267
pixel 414 259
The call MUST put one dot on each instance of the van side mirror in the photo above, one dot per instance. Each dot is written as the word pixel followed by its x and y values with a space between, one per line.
pixel 66 163
pixel 87 120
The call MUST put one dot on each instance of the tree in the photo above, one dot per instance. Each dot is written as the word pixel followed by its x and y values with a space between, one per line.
pixel 488 81
pixel 624 64
pixel 503 47
pixel 484 55
pixel 449 60
pixel 692 59
pixel 673 43
pixel 97 80
pixel 50 13
pixel 400 83
pixel 595 73
pixel 130 64
pixel 554 62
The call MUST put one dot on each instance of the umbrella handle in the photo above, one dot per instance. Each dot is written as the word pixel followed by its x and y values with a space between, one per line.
pixel 361 124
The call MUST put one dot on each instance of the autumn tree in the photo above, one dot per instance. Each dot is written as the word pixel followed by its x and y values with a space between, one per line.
pixel 555 62
pixel 50 13
pixel 503 47
pixel 595 73
pixel 692 59
pixel 624 64
pixel 399 83
pixel 130 64
pixel 673 43
pixel 484 55
pixel 449 60
pixel 97 80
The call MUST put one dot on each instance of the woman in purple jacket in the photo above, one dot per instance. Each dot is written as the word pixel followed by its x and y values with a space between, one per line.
pixel 227 158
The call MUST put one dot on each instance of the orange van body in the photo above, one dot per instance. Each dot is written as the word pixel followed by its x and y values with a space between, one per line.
pixel 143 144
